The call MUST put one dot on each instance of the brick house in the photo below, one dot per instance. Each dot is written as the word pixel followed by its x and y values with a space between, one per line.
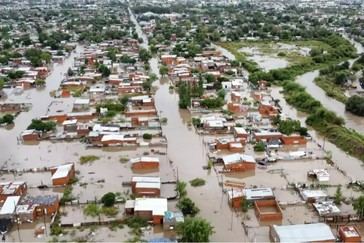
pixel 144 163
pixel 63 174
pixel 293 139
pixel 151 209
pixel 30 135
pixel 238 162
pixel 146 186
pixel 268 210
pixel 15 188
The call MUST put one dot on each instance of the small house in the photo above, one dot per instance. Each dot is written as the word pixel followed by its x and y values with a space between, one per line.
pixel 152 209
pixel 44 204
pixel 70 125
pixel 268 210
pixel 30 135
pixel 349 233
pixel 146 186
pixel 267 110
pixel 15 188
pixel 8 208
pixel 81 104
pixel 238 162
pixel 117 140
pixel 143 163
pixel 326 208
pixel 293 139
pixel 312 196
pixel 240 132
pixel 63 174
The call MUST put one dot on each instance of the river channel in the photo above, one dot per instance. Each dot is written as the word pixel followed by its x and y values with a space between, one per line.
pixel 307 81
pixel 350 165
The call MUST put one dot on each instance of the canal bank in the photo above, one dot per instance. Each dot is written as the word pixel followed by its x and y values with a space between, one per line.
pixel 351 166
pixel 307 80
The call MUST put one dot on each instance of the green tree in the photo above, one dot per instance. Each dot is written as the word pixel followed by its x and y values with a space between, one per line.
pixel 181 188
pixel 358 205
pixel 104 70
pixel 184 96
pixel 108 199
pixel 338 196
pixel 39 125
pixel 355 104
pixel 40 82
pixel 194 230
pixel 7 119
pixel 187 206
pixel 259 146
pixel 144 55
pixel 163 70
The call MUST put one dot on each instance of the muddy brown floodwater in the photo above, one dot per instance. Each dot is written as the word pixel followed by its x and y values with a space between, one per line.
pixel 188 153
pixel 40 100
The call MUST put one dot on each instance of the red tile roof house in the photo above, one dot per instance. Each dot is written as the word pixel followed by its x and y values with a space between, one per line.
pixel 152 209
pixel 143 163
pixel 238 162
pixel 63 174
pixel 146 186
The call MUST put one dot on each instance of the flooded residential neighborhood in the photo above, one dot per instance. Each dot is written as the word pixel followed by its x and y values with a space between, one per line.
pixel 182 121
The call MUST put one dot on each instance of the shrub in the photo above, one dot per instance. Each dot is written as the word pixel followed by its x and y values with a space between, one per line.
pixel 147 136
pixel 181 188
pixel 42 126
pixel 110 211
pixel 7 119
pixel 259 147
pixel 197 182
pixel 92 210
pixel 187 206
pixel 88 158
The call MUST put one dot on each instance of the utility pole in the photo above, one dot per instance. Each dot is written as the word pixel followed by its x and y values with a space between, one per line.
pixel 232 209
pixel 44 221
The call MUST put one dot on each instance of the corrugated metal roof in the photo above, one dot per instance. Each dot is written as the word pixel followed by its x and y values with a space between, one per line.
pixel 304 232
